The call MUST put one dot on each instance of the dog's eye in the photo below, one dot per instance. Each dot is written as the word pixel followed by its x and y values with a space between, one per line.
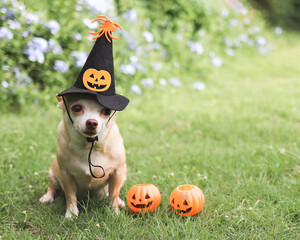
pixel 77 108
pixel 106 111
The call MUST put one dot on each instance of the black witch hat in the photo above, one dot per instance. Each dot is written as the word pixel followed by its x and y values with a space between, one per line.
pixel 97 75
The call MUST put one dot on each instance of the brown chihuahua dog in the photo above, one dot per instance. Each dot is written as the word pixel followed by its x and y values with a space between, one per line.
pixel 70 170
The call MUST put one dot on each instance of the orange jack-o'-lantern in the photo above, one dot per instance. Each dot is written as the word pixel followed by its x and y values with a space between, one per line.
pixel 187 200
pixel 97 81
pixel 143 198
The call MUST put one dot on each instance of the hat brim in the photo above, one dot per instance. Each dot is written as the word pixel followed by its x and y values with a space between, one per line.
pixel 115 102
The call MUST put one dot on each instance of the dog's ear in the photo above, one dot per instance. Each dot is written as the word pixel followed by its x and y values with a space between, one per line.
pixel 60 102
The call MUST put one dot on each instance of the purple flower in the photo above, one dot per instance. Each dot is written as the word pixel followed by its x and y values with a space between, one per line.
pixel 135 63
pixel 61 66
pixel 21 7
pixel 5 33
pixel 134 59
pixel 5 67
pixel 278 30
pixel 78 36
pixel 89 23
pixel 130 40
pixel 78 8
pixel 148 83
pixel 175 82
pixel 31 18
pixel 23 79
pixel 54 46
pixel 127 69
pixel 13 24
pixel 198 86
pixel 165 54
pixel 15 4
pixel 230 52
pixel 224 13
pixel 264 50
pixel 11 13
pixel 242 37
pixel 39 43
pixel 148 36
pixel 261 41
pixel 196 47
pixel 3 10
pixel 57 49
pixel 36 48
pixel 27 79
pixel 5 84
pixel 163 82
pixel 80 58
pixel 131 15
pixel 17 72
pixel 102 6
pixel 35 55
pixel 136 89
pixel 53 26
pixel 25 34
pixel 217 61
pixel 243 10
pixel 52 43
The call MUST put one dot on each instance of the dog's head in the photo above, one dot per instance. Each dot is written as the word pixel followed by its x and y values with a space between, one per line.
pixel 89 117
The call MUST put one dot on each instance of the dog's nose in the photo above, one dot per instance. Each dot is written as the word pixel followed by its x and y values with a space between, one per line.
pixel 91 124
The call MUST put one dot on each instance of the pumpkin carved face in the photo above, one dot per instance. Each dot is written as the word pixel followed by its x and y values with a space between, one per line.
pixel 187 200
pixel 97 81
pixel 143 198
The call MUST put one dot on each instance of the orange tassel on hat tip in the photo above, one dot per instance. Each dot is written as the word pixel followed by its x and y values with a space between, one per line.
pixel 187 200
pixel 106 28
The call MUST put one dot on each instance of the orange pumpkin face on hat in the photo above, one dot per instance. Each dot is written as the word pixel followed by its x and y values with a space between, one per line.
pixel 97 75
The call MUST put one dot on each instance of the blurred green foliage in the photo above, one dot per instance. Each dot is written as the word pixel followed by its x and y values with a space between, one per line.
pixel 159 40
pixel 283 13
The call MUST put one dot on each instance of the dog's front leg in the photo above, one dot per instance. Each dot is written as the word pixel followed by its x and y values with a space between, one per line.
pixel 116 180
pixel 69 186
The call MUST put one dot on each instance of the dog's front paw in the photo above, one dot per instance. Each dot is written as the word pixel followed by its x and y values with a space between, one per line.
pixel 72 211
pixel 121 202
pixel 70 214
pixel 47 198
pixel 117 210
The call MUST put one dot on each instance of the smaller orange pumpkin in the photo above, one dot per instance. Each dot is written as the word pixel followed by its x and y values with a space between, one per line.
pixel 187 200
pixel 143 198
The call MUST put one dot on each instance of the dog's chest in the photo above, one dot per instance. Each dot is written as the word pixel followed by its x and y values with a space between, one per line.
pixel 77 165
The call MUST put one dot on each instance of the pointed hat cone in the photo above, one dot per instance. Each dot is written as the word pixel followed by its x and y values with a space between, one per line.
pixel 97 76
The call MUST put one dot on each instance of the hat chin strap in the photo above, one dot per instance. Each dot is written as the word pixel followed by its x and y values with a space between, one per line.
pixel 67 109
pixel 92 140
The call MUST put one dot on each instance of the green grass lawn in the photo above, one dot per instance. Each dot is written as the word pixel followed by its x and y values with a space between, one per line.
pixel 238 140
